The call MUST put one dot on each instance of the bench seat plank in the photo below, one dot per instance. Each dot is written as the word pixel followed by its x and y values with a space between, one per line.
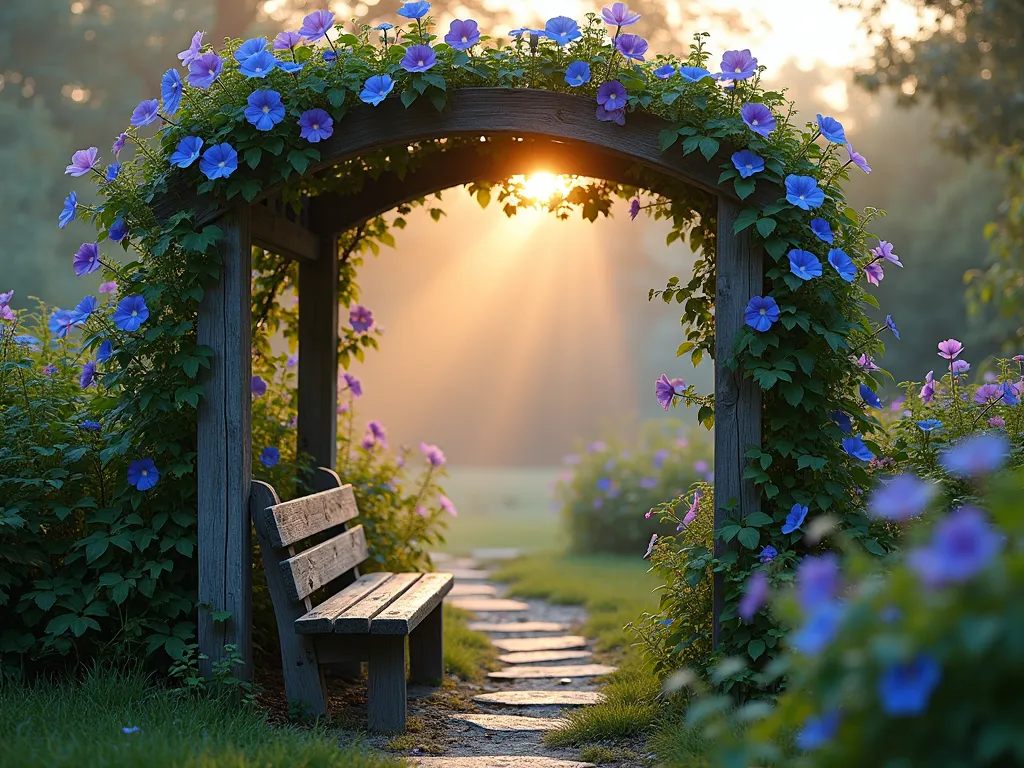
pixel 296 520
pixel 356 619
pixel 405 613
pixel 309 570
pixel 321 619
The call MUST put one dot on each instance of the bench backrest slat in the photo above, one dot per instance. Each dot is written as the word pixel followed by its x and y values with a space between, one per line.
pixel 293 521
pixel 310 569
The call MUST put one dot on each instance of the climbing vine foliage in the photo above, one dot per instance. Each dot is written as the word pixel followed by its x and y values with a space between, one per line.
pixel 239 119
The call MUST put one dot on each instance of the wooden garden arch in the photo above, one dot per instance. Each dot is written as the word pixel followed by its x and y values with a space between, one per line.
pixel 564 137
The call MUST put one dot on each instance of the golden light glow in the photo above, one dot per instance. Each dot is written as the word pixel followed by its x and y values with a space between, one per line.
pixel 543 186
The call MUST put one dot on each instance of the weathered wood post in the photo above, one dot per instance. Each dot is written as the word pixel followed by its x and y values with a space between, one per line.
pixel 739 276
pixel 224 451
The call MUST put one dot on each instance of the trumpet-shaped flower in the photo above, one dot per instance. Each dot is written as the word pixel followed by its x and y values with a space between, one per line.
pixel 634 208
pixel 361 318
pixel 631 46
pixel 950 349
pixel 145 113
pixel 758 118
pixel 768 554
pixel 265 109
pixel 843 421
pixel 219 161
pixel 69 211
pixel 260 65
pixel 905 689
pixel 354 385
pixel 747 163
pixel 435 456
pixel 187 151
pixel 562 30
pixel 119 143
pixel 87 376
pixel 874 273
pixel 738 65
pixel 804 264
pixel 112 171
pixel 822 230
pixel 795 518
pixel 832 129
pixel 61 322
pixel 142 475
pixel 962 545
pixel 419 58
pixel 83 161
pixel 612 96
pixel 867 394
pixel 191 53
pixel 249 48
pixel 755 595
pixel 804 192
pixel 884 251
pixel 87 259
pixel 816 732
pixel 577 74
pixel 170 91
pixel 258 386
pixel 842 264
pixel 761 313
pixel 316 25
pixel 84 309
pixel 854 446
pixel 463 34
pixel 858 159
pixel 693 74
pixel 414 10
pixel 607 116
pixel 901 498
pixel 204 70
pixel 891 325
pixel 665 71
pixel 976 456
pixel 105 352
pixel 376 89
pixel 131 313
pixel 928 389
pixel 316 125
pixel 270 456
pixel 618 15
pixel 666 390
pixel 288 40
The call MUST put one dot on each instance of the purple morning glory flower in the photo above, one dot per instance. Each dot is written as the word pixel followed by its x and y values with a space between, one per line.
pixel 755 595
pixel 843 421
pixel 634 208
pixel 414 10
pixel 61 322
pixel 874 273
pixel 83 161
pixel 270 456
pixel 666 390
pixel 316 25
pixel 867 363
pixel 803 192
pixel 376 89
pixel 747 163
pixel 204 70
pixel 447 505
pixel 928 390
pixel 884 251
pixel 959 367
pixel 842 264
pixel 265 109
pixel 435 456
pixel 987 393
pixel 665 71
pixel 119 143
pixel 112 171
pixel 822 230
pixel 612 96
pixel 577 74
pixel 249 48
pixel 868 396
pixel 976 456
pixel 354 385
pixel 88 375
pixel 562 30
pixel 795 518
pixel 962 545
pixel 87 259
pixel 105 352
pixel 950 349
pixel 288 40
pixel 761 313
pixel 905 689
pixel 361 318
pixel 605 115
pixel 170 91
pixel 831 129
pixel 187 151
pixel 858 159
pixel 257 386
pixel 463 34
pixel 419 58
pixel 854 446
pixel 618 15
pixel 145 113
pixel 691 514
pixel 650 544
pixel 902 497
pixel 69 211
pixel 219 161
pixel 816 732
pixel 804 264
pixel 758 118
pixel 84 309
pixel 631 46
pixel 693 74
pixel 191 53
pixel 260 65
pixel 891 325
pixel 738 65
pixel 131 313
pixel 117 230
pixel 377 430
pixel 768 554
pixel 143 474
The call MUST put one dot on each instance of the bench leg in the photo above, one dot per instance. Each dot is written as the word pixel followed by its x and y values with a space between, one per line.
pixel 426 649
pixel 386 689
pixel 303 677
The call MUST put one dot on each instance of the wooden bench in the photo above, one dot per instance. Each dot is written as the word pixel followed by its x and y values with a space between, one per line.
pixel 367 618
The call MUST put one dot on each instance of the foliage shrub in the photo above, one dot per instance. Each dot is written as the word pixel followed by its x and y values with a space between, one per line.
pixel 609 486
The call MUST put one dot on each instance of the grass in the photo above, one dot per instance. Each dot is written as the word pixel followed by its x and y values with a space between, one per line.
pixel 468 655
pixel 615 591
pixel 79 723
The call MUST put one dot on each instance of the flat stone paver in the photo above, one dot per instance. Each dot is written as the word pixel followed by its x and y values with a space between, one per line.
pixel 489 605
pixel 495 554
pixel 497 761
pixel 566 671
pixel 539 657
pixel 469 574
pixel 540 698
pixel 472 590
pixel 517 644
pixel 509 627
pixel 511 723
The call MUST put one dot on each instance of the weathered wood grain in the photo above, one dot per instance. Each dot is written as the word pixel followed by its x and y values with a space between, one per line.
pixel 223 458
pixel 403 615
pixel 310 569
pixel 303 678
pixel 273 232
pixel 356 620
pixel 295 520
pixel 426 648
pixel 321 618
pixel 386 685
pixel 738 414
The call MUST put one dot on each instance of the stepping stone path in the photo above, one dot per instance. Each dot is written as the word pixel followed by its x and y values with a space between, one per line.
pixel 523 701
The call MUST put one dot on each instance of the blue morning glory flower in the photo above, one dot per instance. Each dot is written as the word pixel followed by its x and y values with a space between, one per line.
pixel 822 230
pixel 768 554
pixel 832 129
pixel 665 71
pixel 976 456
pixel 795 518
pixel 803 192
pixel 843 421
pixel 69 211
pixel 84 309
pixel 604 484
pixel 219 161
pixel 265 109
pixel 761 313
pixel 892 326
pixel 929 425
pixel 131 313
pixel 820 628
pixel 61 322
pixel 105 352
pixel 758 118
pixel 260 65
pixel 462 35
pixel 868 395
pixel 27 340
pixel 905 689
pixel 577 74
pixel 250 48
pixel 145 113
pixel 816 732
pixel 854 446
pixel 1009 394
pixel 269 456
pixel 562 30
pixel 91 426
pixel 415 10
pixel 170 91
pixel 693 74
pixel 112 170
pixel 376 89
pixel 291 67
pixel 187 151
pixel 747 163
pixel 843 264
pixel 143 474
pixel 804 264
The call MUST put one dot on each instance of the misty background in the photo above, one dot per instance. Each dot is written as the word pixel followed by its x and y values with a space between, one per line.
pixel 508 341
